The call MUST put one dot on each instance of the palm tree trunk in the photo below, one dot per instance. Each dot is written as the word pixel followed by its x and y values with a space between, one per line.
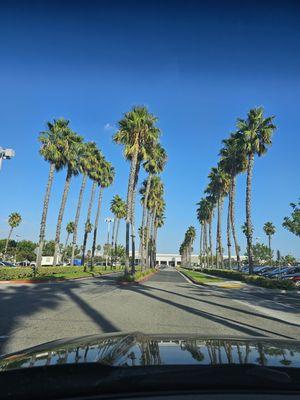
pixel 65 247
pixel 152 238
pixel 116 240
pixel 137 170
pixel 206 246
pixel 131 180
pixel 44 216
pixel 228 231
pixel 270 251
pixel 154 241
pixel 201 241
pixel 143 245
pixel 210 242
pixel 147 238
pixel 218 235
pixel 96 225
pixel 248 212
pixel 88 220
pixel 112 242
pixel 60 217
pixel 232 220
pixel 77 216
pixel 7 240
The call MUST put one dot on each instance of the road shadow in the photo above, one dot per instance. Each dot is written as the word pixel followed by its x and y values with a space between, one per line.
pixel 19 302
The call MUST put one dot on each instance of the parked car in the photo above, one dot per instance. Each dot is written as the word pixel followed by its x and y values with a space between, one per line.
pixel 6 264
pixel 276 272
pixel 293 277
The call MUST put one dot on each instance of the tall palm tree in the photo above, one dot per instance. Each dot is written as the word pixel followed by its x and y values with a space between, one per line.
pixel 186 246
pixel 269 230
pixel 94 176
pixel 218 188
pixel 254 136
pixel 137 133
pixel 87 158
pixel 204 214
pixel 70 145
pixel 158 223
pixel 233 161
pixel 51 152
pixel 153 202
pixel 155 163
pixel 14 221
pixel 105 178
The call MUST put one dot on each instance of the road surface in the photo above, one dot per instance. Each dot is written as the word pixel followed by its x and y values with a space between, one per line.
pixel 166 303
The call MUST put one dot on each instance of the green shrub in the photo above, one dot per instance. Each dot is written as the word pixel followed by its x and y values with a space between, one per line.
pixel 138 275
pixel 43 272
pixel 251 279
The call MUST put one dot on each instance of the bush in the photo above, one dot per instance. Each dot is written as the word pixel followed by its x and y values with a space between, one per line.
pixel 43 272
pixel 251 279
pixel 137 276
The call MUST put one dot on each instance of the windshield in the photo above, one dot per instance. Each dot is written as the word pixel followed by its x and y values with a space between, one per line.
pixel 149 170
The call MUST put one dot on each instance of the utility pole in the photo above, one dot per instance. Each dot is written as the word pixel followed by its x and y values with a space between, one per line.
pixel 6 154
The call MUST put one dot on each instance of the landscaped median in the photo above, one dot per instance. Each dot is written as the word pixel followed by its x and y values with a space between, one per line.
pixel 203 279
pixel 25 274
pixel 225 274
pixel 138 277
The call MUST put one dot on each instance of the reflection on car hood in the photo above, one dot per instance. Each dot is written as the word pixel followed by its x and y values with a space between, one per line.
pixel 137 349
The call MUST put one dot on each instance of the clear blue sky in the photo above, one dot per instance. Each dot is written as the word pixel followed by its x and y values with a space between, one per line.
pixel 196 65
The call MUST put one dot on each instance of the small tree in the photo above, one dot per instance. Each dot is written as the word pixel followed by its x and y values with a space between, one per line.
pixel 292 223
pixel 14 221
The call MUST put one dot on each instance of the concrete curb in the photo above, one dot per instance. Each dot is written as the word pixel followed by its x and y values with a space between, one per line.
pixel 58 280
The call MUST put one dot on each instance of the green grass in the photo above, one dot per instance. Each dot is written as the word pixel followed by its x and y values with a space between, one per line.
pixel 52 273
pixel 200 277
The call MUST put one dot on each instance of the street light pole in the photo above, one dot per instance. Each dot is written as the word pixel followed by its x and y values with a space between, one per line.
pixel 5 154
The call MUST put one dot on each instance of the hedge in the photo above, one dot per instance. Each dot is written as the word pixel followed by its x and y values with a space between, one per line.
pixel 251 279
pixel 138 275
pixel 10 273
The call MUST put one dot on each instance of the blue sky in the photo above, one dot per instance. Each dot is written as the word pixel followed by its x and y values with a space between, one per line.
pixel 196 65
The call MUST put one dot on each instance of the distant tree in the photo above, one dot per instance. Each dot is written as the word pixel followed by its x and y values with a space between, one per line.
pixel 270 230
pixel 288 260
pixel 48 248
pixel 14 221
pixel 260 253
pixel 278 255
pixel 11 248
pixel 292 223
pixel 25 250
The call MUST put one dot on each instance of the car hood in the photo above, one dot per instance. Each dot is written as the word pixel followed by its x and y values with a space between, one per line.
pixel 138 349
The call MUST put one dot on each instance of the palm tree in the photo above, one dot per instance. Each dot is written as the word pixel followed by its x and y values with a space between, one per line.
pixel 270 230
pixel 105 177
pixel 158 223
pixel 155 163
pixel 137 133
pixel 218 188
pixel 70 146
pixel 204 215
pixel 87 157
pixel 14 221
pixel 254 137
pixel 70 230
pixel 51 152
pixel 233 161
pixel 186 246
pixel 154 199
pixel 118 208
pixel 94 176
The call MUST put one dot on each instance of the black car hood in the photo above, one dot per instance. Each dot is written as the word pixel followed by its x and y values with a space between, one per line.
pixel 137 349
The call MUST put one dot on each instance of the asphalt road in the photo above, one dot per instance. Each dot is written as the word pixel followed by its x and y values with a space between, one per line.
pixel 166 303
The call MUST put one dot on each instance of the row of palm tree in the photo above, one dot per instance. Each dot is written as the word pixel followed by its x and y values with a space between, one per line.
pixel 252 137
pixel 139 136
pixel 65 149
pixel 186 247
